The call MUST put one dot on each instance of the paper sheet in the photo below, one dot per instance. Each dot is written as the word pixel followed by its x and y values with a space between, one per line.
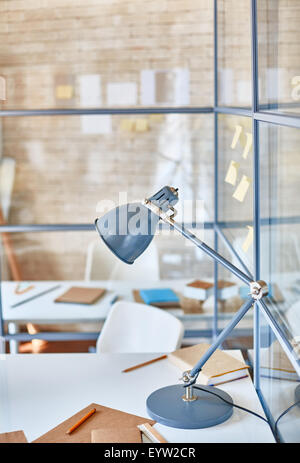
pixel 232 173
pixel 242 188
pixel 236 136
pixel 248 145
pixel 2 88
pixel 96 124
pixel 121 94
pixel 90 90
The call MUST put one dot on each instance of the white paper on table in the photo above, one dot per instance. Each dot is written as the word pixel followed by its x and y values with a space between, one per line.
pixel 96 124
pixel 121 93
pixel 90 90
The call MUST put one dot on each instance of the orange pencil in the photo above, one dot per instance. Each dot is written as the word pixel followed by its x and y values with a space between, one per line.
pixel 144 364
pixel 82 420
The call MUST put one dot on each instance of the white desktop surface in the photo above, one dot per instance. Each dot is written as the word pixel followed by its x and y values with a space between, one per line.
pixel 45 311
pixel 38 391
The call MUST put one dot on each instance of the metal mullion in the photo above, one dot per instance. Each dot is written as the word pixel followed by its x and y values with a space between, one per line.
pixel 104 111
pixel 233 110
pixel 216 165
pixel 279 119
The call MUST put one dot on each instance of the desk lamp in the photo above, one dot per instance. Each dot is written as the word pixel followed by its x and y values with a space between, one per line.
pixel 128 230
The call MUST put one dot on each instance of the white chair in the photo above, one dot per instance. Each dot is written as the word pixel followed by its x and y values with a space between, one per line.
pixel 102 264
pixel 133 327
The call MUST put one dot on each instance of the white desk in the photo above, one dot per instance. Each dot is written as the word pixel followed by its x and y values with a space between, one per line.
pixel 45 311
pixel 39 391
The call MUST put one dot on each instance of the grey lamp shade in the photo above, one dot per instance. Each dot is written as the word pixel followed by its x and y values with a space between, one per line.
pixel 127 230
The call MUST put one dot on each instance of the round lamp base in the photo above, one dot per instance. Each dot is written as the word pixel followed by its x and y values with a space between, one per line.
pixel 167 407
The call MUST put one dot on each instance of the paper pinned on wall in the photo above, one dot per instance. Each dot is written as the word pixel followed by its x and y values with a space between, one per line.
pixel 141 125
pixel 121 93
pixel 165 86
pixel 2 88
pixel 242 188
pixel 127 125
pixel 236 136
pixel 248 145
pixel 90 90
pixel 249 239
pixel 96 124
pixel 64 92
pixel 232 173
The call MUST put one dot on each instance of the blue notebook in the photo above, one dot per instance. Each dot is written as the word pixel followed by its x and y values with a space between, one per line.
pixel 157 295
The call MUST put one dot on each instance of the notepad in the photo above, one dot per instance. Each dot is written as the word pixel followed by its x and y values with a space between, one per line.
pixel 220 367
pixel 81 295
pixel 242 188
pixel 124 435
pixel 103 418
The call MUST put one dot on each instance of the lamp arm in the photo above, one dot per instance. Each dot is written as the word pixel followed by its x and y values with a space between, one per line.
pixel 222 336
pixel 258 289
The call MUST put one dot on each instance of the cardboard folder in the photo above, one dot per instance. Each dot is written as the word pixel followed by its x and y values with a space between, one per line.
pixel 15 437
pixel 104 417
pixel 81 295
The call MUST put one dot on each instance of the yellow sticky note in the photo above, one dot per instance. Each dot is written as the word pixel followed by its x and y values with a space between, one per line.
pixel 248 145
pixel 156 117
pixel 236 136
pixel 242 189
pixel 2 88
pixel 64 92
pixel 141 125
pixel 127 125
pixel 232 173
pixel 249 239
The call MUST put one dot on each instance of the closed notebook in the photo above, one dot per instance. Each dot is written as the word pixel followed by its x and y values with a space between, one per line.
pixel 274 363
pixel 158 297
pixel 116 435
pixel 220 367
pixel 81 295
pixel 15 437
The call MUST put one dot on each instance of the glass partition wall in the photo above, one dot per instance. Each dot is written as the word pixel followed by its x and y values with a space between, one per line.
pixel 100 101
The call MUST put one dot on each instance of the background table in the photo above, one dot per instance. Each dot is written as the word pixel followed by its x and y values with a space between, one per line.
pixel 39 391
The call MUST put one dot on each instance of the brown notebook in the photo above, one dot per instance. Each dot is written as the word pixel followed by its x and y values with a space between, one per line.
pixel 81 295
pixel 160 305
pixel 15 437
pixel 104 417
pixel 127 434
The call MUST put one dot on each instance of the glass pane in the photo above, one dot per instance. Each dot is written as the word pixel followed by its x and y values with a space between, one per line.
pixel 234 53
pixel 61 169
pixel 235 185
pixel 279 55
pixel 280 386
pixel 106 54
pixel 280 229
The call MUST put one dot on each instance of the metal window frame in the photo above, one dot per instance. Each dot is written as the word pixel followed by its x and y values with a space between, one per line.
pixel 257 114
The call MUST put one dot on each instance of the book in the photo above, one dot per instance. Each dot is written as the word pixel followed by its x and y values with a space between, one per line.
pixel 226 289
pixel 120 435
pixel 220 367
pixel 274 363
pixel 81 295
pixel 198 289
pixel 104 417
pixel 158 297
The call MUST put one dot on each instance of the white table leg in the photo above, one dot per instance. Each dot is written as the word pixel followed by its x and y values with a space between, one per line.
pixel 13 328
